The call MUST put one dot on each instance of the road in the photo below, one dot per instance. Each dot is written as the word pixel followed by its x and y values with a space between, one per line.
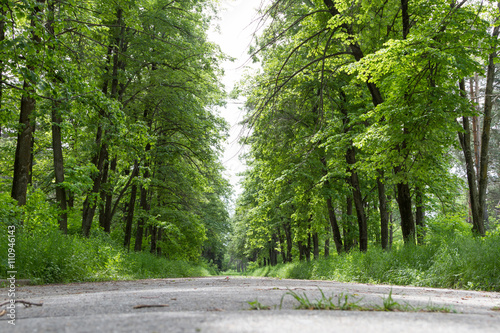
pixel 220 304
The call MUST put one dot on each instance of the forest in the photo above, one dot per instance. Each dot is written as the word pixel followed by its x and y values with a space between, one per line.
pixel 371 132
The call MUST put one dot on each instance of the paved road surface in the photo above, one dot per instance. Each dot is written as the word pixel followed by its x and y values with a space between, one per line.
pixel 217 304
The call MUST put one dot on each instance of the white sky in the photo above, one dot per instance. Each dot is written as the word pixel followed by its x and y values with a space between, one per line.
pixel 234 38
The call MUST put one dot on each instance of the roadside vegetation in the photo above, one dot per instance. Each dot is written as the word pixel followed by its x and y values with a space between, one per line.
pixel 457 261
pixel 45 255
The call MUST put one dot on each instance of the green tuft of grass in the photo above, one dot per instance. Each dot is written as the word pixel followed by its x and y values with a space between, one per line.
pixel 256 305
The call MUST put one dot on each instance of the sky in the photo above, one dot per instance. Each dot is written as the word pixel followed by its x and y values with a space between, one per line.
pixel 234 37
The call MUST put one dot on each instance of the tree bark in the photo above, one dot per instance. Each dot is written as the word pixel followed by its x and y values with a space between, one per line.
pixel 358 200
pixel 24 146
pixel 405 211
pixel 348 237
pixel 2 38
pixel 419 215
pixel 384 216
pixel 90 203
pixel 337 238
pixel 144 203
pixel 315 239
pixel 288 235
pixel 57 138
pixel 130 211
pixel 465 143
pixel 486 133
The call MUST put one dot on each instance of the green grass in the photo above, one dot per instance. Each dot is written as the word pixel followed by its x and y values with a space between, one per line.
pixel 50 257
pixel 461 262
pixel 347 302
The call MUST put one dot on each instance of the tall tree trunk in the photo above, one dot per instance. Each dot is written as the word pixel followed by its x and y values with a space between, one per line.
pixel 465 143
pixel 405 211
pixel 419 215
pixel 104 191
pixel 90 203
pixel 384 215
pixel 486 132
pixel 315 240
pixel 57 137
pixel 358 200
pixel 24 146
pixel 107 198
pixel 2 38
pixel 144 203
pixel 327 247
pixel 130 212
pixel 154 233
pixel 403 187
pixel 59 168
pixel 348 237
pixel 281 240
pixel 337 238
pixel 288 235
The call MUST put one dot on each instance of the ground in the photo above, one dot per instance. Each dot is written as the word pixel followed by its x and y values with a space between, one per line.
pixel 223 304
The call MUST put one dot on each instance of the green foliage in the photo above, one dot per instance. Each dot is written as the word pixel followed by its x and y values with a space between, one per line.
pixel 51 257
pixel 459 262
pixel 324 303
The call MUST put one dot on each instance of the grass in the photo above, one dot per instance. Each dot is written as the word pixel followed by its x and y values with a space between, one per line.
pixel 461 262
pixel 50 257
pixel 256 305
pixel 347 302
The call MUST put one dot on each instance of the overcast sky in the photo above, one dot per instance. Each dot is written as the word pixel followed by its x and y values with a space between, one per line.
pixel 234 38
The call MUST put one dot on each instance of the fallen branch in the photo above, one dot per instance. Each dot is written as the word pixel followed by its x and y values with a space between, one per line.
pixel 140 306
pixel 26 303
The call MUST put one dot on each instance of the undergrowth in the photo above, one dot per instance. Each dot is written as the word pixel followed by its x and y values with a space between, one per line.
pixel 56 258
pixel 45 255
pixel 459 261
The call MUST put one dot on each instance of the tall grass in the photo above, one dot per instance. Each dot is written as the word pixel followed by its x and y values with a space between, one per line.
pixel 45 255
pixel 457 261
pixel 55 258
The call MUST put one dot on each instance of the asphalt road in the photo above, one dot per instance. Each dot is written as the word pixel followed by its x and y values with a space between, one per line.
pixel 218 304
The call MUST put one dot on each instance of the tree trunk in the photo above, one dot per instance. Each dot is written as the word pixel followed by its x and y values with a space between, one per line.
pixel 130 217
pixel 104 191
pixel 108 199
pixel 24 146
pixel 486 132
pixel 358 200
pixel 327 247
pixel 419 215
pixel 154 233
pixel 281 240
pixel 384 215
pixel 315 239
pixel 57 138
pixel 405 211
pixel 90 203
pixel 145 207
pixel 337 238
pixel 59 168
pixel 2 38
pixel 348 237
pixel 465 143
pixel 289 245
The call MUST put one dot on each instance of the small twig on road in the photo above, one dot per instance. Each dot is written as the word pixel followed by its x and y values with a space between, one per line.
pixel 140 306
pixel 26 303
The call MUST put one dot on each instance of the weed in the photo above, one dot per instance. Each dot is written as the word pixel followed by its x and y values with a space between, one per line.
pixel 256 305
pixel 344 302
pixel 324 303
